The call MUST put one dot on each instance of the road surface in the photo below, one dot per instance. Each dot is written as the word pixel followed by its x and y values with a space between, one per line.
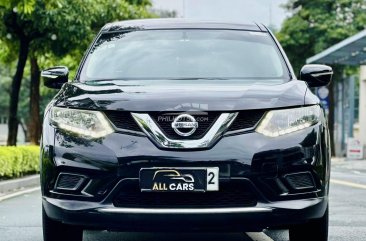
pixel 20 217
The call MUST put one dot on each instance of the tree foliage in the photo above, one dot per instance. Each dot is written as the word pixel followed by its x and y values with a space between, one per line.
pixel 61 26
pixel 59 29
pixel 315 25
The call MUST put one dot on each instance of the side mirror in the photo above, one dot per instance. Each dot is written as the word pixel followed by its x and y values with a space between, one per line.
pixel 316 75
pixel 55 77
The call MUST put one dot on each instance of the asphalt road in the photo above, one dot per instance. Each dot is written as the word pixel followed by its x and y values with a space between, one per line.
pixel 20 217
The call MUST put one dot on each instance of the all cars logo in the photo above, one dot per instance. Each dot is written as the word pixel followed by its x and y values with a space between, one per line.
pixel 172 180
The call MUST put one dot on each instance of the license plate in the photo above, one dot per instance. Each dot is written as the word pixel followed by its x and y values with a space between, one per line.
pixel 179 179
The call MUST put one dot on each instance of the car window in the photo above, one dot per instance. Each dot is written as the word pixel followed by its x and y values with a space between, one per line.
pixel 185 54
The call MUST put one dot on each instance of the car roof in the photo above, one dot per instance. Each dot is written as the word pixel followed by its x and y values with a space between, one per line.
pixel 178 23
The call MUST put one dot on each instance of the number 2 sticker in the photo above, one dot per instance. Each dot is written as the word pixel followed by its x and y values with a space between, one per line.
pixel 212 179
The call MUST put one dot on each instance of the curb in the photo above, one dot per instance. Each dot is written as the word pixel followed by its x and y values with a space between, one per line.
pixel 345 159
pixel 19 183
pixel 338 159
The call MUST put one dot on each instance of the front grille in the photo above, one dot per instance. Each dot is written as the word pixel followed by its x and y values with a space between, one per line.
pixel 205 121
pixel 122 120
pixel 246 119
pixel 236 193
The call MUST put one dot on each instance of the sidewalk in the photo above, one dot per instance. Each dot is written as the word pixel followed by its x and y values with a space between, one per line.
pixel 14 185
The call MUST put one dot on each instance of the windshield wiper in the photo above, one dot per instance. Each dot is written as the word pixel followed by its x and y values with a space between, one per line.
pixel 199 78
pixel 104 80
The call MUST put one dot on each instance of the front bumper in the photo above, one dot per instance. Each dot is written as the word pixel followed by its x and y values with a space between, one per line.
pixel 106 216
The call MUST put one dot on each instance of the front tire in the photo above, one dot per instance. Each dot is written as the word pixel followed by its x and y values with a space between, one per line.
pixel 314 230
pixel 57 231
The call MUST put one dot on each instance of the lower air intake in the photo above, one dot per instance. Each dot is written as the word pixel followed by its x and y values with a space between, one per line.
pixel 298 181
pixel 71 182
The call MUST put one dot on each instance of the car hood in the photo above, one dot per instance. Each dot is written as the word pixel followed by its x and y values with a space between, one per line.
pixel 181 96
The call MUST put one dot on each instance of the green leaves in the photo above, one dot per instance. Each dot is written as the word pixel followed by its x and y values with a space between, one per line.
pixel 18 161
pixel 26 6
pixel 318 24
pixel 19 6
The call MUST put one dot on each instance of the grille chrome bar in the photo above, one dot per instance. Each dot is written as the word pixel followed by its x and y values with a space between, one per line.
pixel 151 129
pixel 184 210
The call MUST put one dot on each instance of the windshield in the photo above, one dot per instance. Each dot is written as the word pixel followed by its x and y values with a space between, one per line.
pixel 185 54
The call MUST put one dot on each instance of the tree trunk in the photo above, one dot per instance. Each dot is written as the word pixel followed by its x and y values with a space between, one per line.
pixel 25 130
pixel 34 127
pixel 14 93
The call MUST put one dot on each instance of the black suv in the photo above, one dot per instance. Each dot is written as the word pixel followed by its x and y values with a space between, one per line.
pixel 174 125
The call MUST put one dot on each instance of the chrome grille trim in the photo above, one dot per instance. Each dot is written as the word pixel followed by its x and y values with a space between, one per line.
pixel 148 125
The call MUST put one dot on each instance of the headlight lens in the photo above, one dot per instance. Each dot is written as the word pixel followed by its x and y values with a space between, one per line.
pixel 281 122
pixel 86 123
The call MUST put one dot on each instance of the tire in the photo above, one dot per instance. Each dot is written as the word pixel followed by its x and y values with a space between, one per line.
pixel 314 230
pixel 57 231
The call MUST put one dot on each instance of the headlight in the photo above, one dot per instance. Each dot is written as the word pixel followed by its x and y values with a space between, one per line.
pixel 86 123
pixel 281 122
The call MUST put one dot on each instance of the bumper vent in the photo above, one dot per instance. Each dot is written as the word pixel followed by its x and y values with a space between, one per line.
pixel 231 194
pixel 300 181
pixel 71 182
